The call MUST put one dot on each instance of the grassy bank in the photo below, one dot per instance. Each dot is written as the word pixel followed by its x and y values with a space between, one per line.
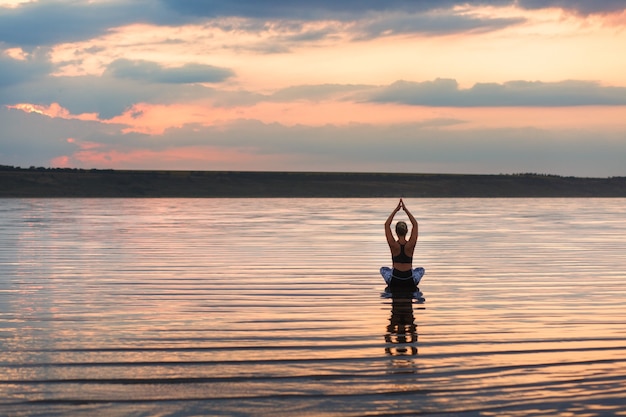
pixel 40 182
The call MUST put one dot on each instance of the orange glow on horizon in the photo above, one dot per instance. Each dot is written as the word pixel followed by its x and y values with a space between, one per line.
pixel 183 158
pixel 155 120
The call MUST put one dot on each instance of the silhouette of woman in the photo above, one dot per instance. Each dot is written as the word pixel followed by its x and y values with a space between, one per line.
pixel 402 277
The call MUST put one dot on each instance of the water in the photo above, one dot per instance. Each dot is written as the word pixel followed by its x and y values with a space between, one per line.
pixel 181 307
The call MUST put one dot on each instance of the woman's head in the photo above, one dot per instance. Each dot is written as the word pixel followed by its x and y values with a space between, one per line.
pixel 401 228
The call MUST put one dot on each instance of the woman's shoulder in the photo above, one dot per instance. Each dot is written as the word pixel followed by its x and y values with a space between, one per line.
pixel 394 244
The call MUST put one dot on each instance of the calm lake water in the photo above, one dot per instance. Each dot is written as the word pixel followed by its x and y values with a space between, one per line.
pixel 238 307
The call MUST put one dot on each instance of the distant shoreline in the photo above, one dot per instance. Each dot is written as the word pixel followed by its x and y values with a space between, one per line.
pixel 62 182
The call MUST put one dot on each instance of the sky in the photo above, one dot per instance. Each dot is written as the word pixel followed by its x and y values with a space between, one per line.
pixel 417 86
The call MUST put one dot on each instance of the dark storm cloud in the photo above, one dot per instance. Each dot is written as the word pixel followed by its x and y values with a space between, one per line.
pixel 446 93
pixel 147 71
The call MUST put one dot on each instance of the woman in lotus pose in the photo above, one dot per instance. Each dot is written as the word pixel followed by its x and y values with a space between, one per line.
pixel 403 277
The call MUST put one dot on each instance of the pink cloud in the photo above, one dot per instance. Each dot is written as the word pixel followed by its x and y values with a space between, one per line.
pixel 61 162
pixel 54 110
pixel 184 158
pixel 615 19
pixel 155 119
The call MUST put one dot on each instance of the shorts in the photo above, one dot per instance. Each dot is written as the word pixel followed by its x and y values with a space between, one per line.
pixel 402 280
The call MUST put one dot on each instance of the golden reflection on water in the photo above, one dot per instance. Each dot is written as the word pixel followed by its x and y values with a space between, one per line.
pixel 244 306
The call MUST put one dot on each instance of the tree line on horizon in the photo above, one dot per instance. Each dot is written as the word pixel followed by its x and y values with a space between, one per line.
pixel 66 169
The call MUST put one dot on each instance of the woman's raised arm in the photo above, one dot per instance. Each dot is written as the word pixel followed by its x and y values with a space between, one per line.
pixel 388 232
pixel 414 231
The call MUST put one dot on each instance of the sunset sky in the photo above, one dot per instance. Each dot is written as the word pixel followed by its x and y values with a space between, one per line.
pixel 423 86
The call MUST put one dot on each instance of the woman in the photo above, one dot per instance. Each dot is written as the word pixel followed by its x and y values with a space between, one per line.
pixel 403 277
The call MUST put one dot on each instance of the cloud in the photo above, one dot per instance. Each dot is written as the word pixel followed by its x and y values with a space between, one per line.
pixel 110 96
pixel 34 139
pixel 370 18
pixel 106 96
pixel 583 7
pixel 349 9
pixel 16 71
pixel 151 72
pixel 413 147
pixel 55 21
pixel 52 22
pixel 431 24
pixel 446 93
pixel 300 10
pixel 317 92
pixel 122 85
pixel 430 146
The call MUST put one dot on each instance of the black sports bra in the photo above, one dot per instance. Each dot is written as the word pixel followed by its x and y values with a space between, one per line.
pixel 402 258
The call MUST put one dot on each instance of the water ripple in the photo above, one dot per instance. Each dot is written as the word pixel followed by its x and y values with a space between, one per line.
pixel 178 307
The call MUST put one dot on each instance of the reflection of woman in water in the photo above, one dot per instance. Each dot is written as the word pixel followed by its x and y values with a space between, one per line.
pixel 401 335
pixel 402 278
